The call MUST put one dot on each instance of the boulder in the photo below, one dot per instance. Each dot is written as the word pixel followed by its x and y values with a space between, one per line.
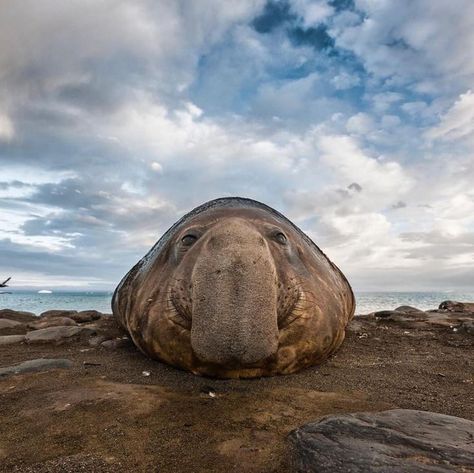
pixel 383 314
pixel 41 364
pixel 17 315
pixel 58 313
pixel 393 441
pixel 57 335
pixel 86 316
pixel 11 339
pixel 406 309
pixel 454 306
pixel 7 323
pixel 51 322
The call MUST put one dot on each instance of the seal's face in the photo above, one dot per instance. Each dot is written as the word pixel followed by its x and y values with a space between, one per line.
pixel 236 292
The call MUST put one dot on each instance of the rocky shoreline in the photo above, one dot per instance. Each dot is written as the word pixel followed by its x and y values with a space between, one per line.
pixel 76 395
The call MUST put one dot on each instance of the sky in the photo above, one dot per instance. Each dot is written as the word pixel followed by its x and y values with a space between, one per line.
pixel 354 118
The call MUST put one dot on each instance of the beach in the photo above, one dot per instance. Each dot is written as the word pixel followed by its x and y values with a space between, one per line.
pixel 112 409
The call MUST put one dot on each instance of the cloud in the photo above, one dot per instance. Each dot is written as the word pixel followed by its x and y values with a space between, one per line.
pixel 353 118
pixel 7 130
pixel 458 122
pixel 409 40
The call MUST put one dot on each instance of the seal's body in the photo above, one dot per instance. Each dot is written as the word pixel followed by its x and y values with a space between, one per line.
pixel 234 289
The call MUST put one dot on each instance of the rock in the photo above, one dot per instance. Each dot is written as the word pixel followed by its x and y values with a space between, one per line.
pixel 58 313
pixel 51 322
pixel 56 335
pixel 467 327
pixel 17 315
pixel 406 320
pixel 398 440
pixel 454 306
pixel 96 341
pixel 382 314
pixel 354 326
pixel 406 309
pixel 87 316
pixel 11 339
pixel 41 364
pixel 7 323
pixel 79 317
pixel 116 343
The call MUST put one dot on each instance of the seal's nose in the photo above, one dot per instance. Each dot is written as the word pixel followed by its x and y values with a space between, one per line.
pixel 234 309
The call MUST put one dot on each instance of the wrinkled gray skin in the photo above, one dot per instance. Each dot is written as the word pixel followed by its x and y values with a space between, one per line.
pixel 234 289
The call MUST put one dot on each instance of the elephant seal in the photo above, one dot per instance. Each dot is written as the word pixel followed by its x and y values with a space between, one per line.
pixel 234 289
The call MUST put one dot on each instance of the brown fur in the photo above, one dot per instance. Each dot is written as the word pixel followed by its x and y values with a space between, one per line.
pixel 239 301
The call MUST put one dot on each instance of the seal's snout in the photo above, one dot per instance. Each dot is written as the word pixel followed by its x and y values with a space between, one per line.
pixel 234 312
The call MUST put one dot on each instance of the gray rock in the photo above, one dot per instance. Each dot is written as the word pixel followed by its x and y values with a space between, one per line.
pixel 87 316
pixel 41 364
pixel 51 322
pixel 467 327
pixel 394 441
pixel 11 339
pixel 454 306
pixel 354 326
pixel 7 323
pixel 58 313
pixel 383 314
pixel 56 335
pixel 96 341
pixel 116 343
pixel 406 309
pixel 18 315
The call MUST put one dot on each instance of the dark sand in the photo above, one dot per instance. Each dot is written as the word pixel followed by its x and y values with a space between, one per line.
pixel 112 418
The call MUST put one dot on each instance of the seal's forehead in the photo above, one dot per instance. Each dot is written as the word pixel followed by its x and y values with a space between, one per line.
pixel 251 213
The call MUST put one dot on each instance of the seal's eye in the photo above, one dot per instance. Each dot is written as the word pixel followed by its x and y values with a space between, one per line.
pixel 188 240
pixel 281 238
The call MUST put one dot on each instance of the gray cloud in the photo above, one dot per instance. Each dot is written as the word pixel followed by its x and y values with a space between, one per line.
pixel 118 117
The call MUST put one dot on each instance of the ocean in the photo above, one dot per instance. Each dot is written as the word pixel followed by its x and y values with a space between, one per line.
pixel 367 302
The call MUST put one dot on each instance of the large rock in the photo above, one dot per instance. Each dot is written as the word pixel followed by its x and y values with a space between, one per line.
pixel 51 322
pixel 407 309
pixel 7 323
pixel 79 317
pixel 392 441
pixel 11 339
pixel 87 316
pixel 58 313
pixel 384 314
pixel 41 364
pixel 57 335
pixel 18 315
pixel 454 306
